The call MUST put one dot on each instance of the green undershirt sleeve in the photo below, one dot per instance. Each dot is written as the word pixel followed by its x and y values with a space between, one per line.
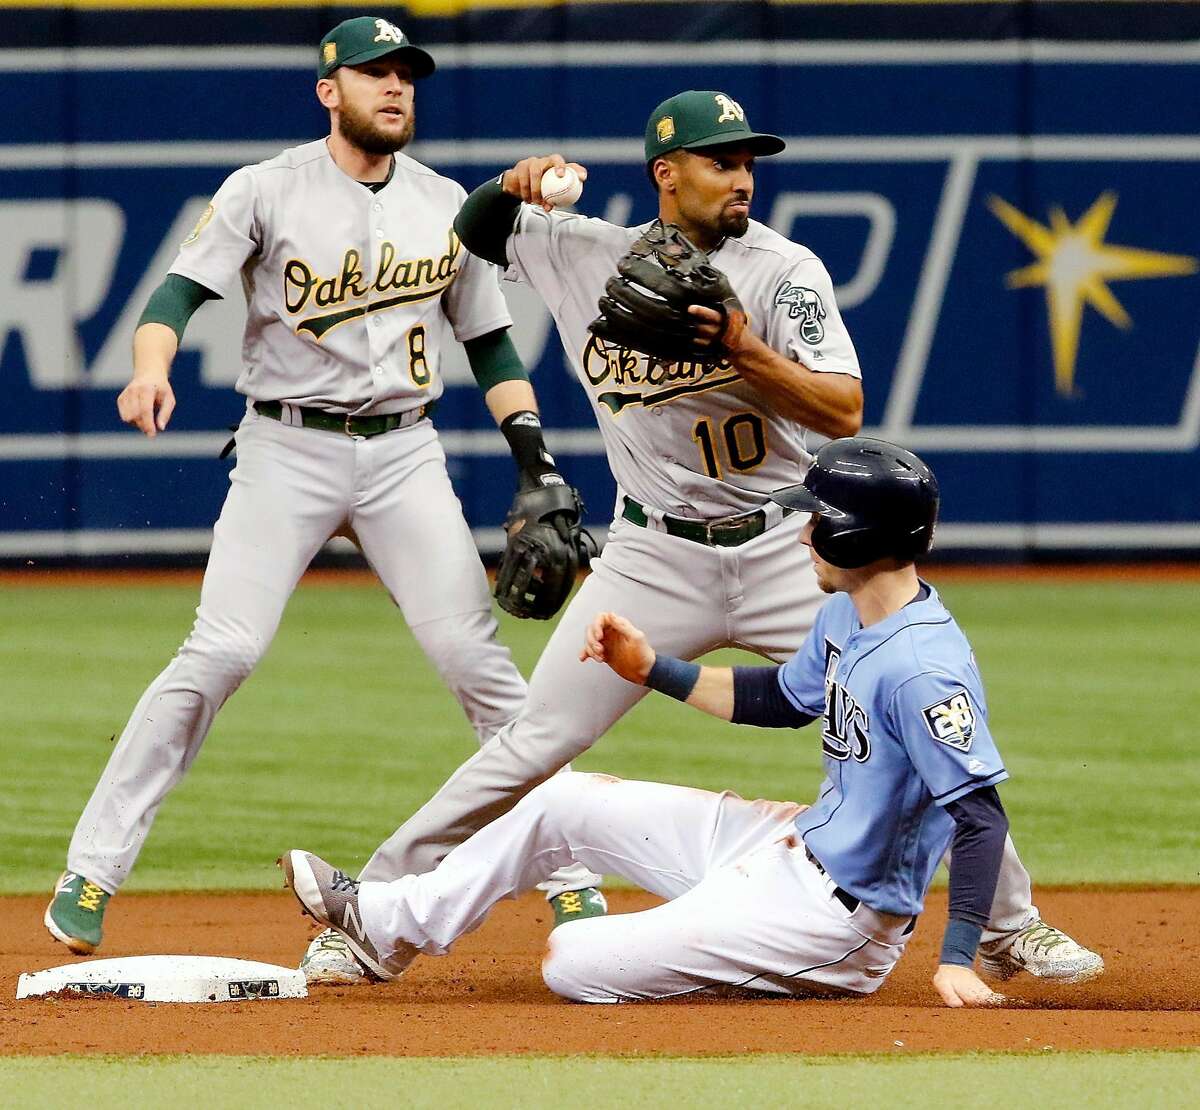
pixel 494 359
pixel 173 302
pixel 486 220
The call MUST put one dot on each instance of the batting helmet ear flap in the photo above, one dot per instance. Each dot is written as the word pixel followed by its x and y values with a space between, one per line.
pixel 849 548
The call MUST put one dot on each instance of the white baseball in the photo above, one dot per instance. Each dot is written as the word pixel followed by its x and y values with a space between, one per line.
pixel 558 191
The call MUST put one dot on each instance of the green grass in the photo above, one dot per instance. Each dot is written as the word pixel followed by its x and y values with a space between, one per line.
pixel 1129 1080
pixel 345 729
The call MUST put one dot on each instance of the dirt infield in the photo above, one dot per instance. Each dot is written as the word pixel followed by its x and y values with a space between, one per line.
pixel 488 997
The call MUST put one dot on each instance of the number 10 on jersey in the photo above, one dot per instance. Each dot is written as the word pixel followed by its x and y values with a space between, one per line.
pixel 742 437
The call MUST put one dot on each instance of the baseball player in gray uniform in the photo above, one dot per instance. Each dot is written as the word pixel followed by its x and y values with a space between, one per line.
pixel 698 551
pixel 352 270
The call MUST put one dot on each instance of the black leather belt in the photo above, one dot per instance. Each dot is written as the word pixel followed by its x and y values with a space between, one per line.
pixel 730 531
pixel 365 426
pixel 844 896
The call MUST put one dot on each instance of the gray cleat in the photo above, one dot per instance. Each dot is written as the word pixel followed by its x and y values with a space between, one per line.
pixel 330 897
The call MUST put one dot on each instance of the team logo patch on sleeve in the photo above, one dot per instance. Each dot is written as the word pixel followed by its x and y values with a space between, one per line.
pixel 952 721
pixel 806 306
pixel 201 224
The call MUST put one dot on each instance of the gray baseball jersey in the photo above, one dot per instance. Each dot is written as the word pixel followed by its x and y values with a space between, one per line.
pixel 686 438
pixel 316 251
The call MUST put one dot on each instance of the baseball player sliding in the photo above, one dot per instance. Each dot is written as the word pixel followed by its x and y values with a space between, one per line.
pixel 352 270
pixel 774 896
pixel 704 400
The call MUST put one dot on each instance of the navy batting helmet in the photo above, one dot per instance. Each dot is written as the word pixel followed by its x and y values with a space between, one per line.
pixel 875 501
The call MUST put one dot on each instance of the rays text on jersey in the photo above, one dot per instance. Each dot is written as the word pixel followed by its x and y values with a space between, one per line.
pixel 846 728
pixel 419 278
pixel 655 382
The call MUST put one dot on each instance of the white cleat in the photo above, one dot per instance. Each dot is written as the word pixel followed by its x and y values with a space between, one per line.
pixel 328 962
pixel 1043 951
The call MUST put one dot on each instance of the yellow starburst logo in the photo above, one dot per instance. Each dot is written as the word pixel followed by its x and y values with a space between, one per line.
pixel 1074 263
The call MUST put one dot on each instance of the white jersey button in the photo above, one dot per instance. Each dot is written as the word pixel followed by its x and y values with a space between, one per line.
pixel 379 233
pixel 377 206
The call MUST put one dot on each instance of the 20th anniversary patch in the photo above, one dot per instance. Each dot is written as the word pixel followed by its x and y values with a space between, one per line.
pixel 952 721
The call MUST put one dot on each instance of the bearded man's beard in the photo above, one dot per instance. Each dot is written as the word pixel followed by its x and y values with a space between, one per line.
pixel 733 224
pixel 361 131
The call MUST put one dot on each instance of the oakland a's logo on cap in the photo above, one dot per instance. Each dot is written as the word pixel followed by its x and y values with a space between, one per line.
pixel 665 129
pixel 329 54
pixel 731 110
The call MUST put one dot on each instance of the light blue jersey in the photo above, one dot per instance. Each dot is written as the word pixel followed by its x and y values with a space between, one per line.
pixel 904 733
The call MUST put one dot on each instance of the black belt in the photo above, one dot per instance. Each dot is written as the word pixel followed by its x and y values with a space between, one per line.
pixel 844 896
pixel 365 426
pixel 730 531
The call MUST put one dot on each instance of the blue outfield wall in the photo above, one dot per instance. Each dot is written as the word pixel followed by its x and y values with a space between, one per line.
pixel 1012 228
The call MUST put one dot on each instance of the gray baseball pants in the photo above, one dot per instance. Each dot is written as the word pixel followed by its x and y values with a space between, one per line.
pixel 292 489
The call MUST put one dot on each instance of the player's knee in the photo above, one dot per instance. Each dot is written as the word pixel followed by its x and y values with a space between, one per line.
pixel 477 668
pixel 224 653
pixel 573 966
pixel 566 796
pixel 563 788
pixel 463 646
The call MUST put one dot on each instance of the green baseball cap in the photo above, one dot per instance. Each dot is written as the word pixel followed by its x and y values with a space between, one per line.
pixel 356 41
pixel 693 120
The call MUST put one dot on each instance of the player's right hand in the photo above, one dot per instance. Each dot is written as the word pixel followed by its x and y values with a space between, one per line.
pixel 147 402
pixel 613 640
pixel 524 180
pixel 960 986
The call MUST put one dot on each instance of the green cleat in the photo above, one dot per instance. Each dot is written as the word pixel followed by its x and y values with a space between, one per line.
pixel 575 905
pixel 75 915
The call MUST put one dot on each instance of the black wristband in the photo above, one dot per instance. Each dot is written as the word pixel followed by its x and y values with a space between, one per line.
pixel 676 678
pixel 960 942
pixel 523 431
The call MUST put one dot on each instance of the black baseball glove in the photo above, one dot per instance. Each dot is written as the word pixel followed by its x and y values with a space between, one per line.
pixel 645 306
pixel 546 549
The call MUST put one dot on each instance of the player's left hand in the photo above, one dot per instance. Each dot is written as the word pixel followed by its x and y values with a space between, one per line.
pixel 960 986
pixel 613 640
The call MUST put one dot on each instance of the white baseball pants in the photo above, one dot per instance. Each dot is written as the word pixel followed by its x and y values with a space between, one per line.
pixel 747 907
pixel 292 489
pixel 688 599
